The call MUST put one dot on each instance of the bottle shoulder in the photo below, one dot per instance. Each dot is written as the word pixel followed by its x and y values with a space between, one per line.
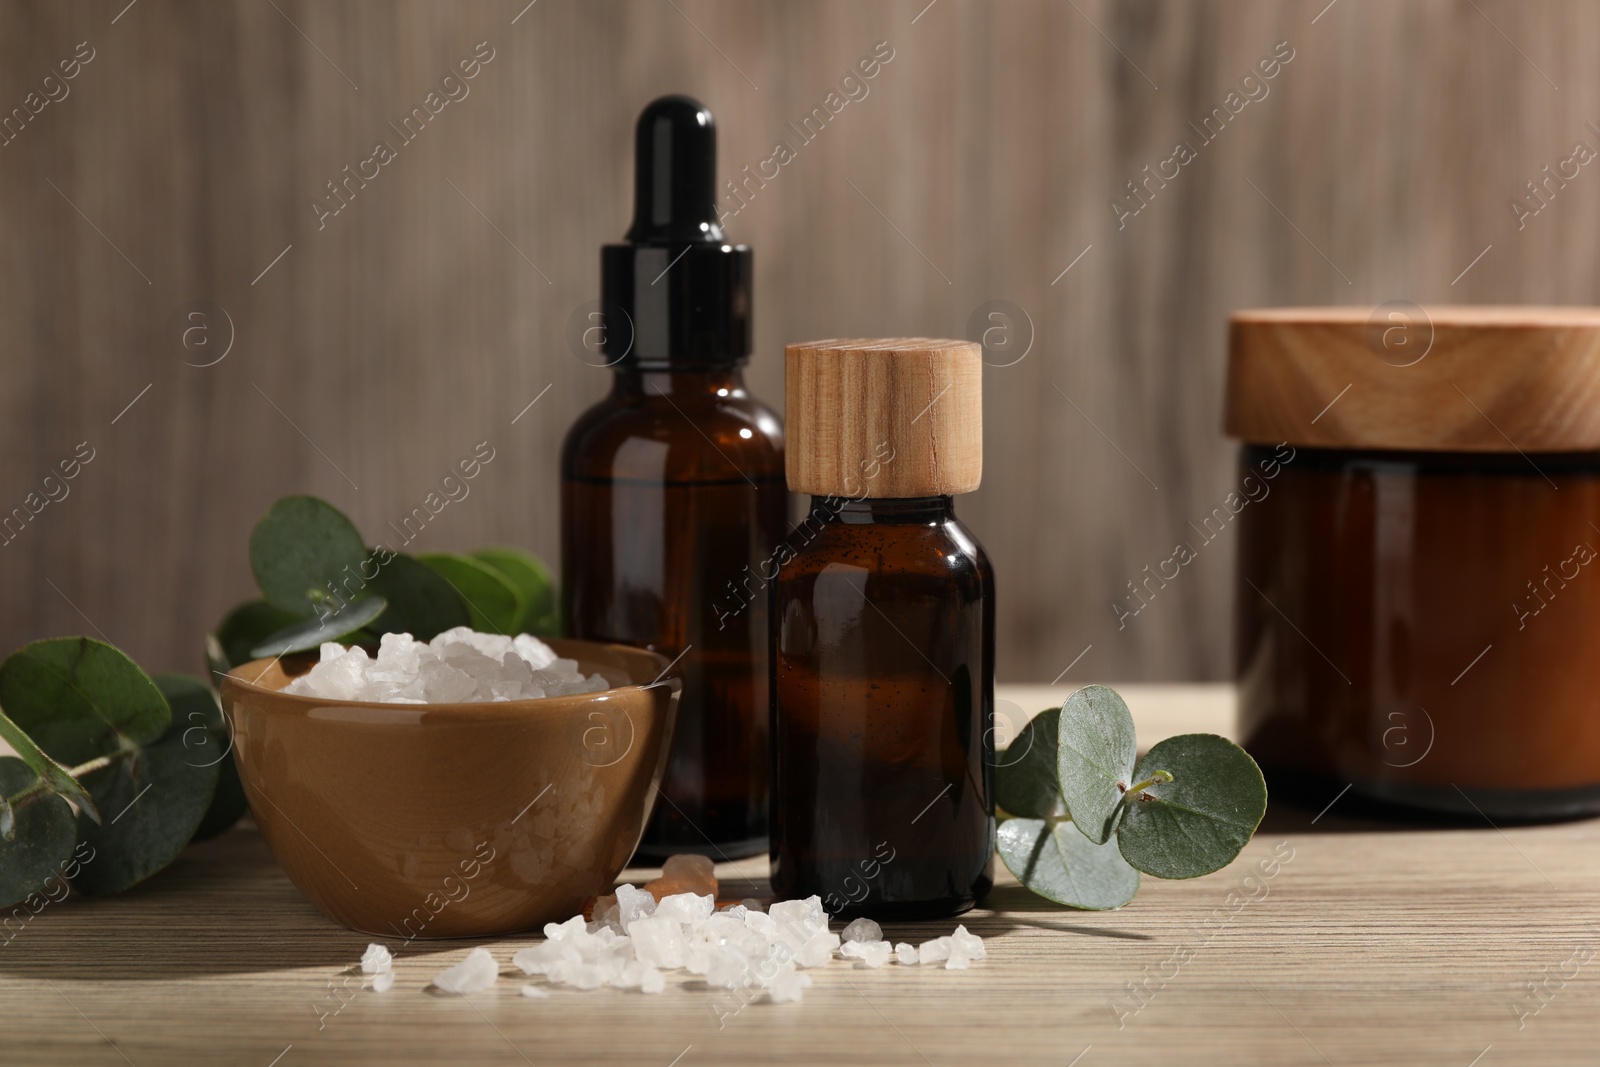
pixel 683 436
pixel 946 549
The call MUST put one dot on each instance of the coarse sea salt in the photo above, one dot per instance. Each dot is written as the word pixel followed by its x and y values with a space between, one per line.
pixel 638 939
pixel 376 959
pixel 474 974
pixel 459 666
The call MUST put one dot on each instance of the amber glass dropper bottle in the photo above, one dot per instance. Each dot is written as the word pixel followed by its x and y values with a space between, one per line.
pixel 883 633
pixel 672 488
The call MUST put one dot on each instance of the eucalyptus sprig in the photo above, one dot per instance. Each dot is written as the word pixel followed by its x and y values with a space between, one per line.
pixel 1083 815
pixel 115 771
pixel 320 582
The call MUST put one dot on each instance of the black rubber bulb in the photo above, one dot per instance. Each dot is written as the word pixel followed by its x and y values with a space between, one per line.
pixel 675 160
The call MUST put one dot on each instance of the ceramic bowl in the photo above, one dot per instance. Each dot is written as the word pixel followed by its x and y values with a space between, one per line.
pixel 454 820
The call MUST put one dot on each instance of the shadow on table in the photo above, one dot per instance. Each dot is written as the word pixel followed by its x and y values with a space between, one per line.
pixel 1319 806
pixel 223 907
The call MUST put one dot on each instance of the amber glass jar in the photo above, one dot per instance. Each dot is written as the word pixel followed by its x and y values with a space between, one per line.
pixel 1418 612
pixel 672 496
pixel 883 631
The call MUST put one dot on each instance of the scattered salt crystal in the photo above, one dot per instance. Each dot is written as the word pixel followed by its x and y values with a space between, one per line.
pixel 382 981
pixel 788 986
pixel 658 940
pixel 818 950
pixel 687 866
pixel 376 959
pixel 633 904
pixel 472 975
pixel 871 953
pixel 970 944
pixel 457 666
pixel 752 904
pixel 686 907
pixel 862 929
pixel 636 938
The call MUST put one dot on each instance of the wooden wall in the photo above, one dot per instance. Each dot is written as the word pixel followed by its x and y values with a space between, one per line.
pixel 388 340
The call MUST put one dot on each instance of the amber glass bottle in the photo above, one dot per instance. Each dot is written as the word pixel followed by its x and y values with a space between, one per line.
pixel 673 498
pixel 883 631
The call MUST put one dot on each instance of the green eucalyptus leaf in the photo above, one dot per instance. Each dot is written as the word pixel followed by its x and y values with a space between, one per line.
pixel 42 838
pixel 493 602
pixel 197 719
pixel 153 802
pixel 55 775
pixel 1062 865
pixel 311 633
pixel 245 627
pixel 1198 822
pixel 301 546
pixel 1025 774
pixel 79 698
pixel 421 602
pixel 532 579
pixel 1095 761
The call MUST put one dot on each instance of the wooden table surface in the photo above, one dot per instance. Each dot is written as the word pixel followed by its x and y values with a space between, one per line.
pixel 1373 943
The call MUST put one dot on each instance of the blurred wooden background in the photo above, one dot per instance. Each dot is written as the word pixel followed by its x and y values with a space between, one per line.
pixel 184 158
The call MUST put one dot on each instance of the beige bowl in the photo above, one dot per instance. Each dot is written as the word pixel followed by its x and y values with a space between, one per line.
pixel 454 820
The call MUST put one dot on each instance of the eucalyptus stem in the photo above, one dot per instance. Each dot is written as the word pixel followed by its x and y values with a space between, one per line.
pixel 1139 787
pixel 41 787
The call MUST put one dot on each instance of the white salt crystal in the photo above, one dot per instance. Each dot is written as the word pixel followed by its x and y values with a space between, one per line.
pixel 472 975
pixel 633 904
pixel 871 953
pixel 934 951
pixel 685 907
pixel 818 950
pixel 906 953
pixel 806 913
pixel 537 992
pixel 969 944
pixel 382 981
pixel 457 666
pixel 376 959
pixel 788 986
pixel 752 904
pixel 658 940
pixel 862 929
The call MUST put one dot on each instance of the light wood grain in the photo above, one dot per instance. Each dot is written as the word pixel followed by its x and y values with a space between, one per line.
pixel 979 166
pixel 1458 379
pixel 883 417
pixel 1371 943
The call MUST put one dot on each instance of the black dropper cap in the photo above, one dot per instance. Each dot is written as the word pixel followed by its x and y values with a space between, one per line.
pixel 684 290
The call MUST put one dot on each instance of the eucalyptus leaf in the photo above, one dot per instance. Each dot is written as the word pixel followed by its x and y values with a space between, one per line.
pixel 153 802
pixel 246 626
pixel 421 602
pixel 1198 822
pixel 1095 761
pixel 493 602
pixel 1063 865
pixel 55 775
pixel 300 547
pixel 533 581
pixel 42 838
pixel 1025 774
pixel 311 633
pixel 79 698
pixel 204 732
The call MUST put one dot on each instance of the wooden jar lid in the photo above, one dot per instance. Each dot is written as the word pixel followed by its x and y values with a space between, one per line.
pixel 883 417
pixel 1444 378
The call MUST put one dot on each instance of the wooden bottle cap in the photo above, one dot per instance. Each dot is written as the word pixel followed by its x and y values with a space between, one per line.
pixel 884 418
pixel 1445 378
